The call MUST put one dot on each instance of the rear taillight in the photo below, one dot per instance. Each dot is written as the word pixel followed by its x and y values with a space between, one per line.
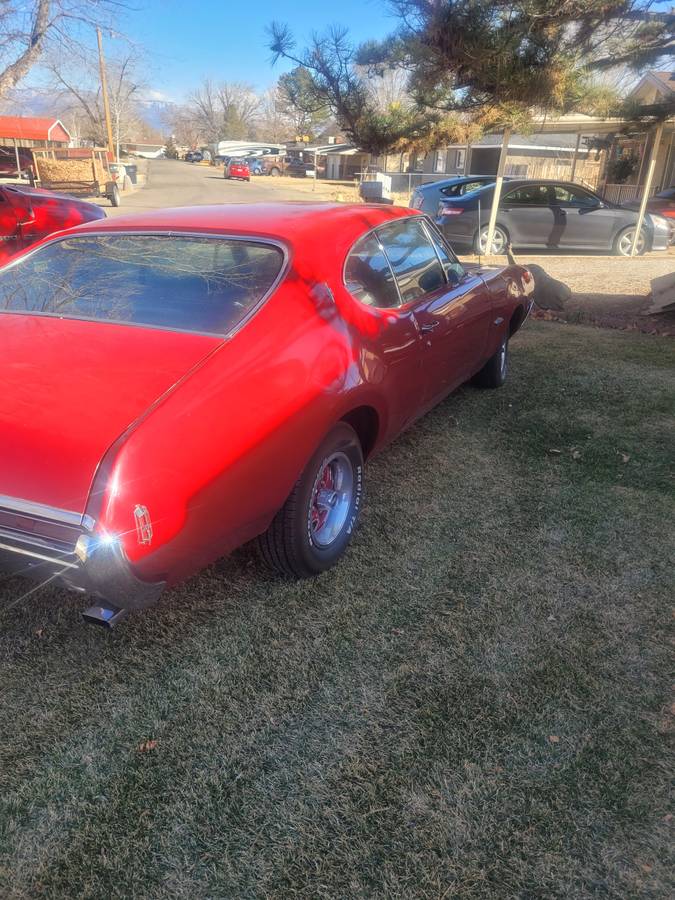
pixel 668 213
pixel 450 210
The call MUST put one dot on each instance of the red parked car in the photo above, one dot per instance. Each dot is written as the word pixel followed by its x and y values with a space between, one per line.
pixel 237 168
pixel 29 214
pixel 178 383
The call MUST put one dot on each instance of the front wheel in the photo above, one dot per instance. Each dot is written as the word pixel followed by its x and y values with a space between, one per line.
pixel 500 240
pixel 494 372
pixel 623 243
pixel 311 531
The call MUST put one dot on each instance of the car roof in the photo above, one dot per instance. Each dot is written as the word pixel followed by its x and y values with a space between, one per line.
pixel 318 229
pixel 460 179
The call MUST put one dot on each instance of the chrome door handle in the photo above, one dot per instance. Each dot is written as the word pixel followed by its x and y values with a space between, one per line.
pixel 429 326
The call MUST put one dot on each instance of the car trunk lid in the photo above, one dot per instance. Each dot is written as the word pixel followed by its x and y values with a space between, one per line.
pixel 69 389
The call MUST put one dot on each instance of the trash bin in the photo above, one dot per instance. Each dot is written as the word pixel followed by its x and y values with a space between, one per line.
pixel 132 172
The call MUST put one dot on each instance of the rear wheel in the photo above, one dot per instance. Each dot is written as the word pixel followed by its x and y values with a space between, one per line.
pixel 500 240
pixel 313 528
pixel 494 372
pixel 115 199
pixel 275 172
pixel 623 243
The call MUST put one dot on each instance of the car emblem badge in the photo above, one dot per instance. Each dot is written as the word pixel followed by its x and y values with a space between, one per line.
pixel 143 524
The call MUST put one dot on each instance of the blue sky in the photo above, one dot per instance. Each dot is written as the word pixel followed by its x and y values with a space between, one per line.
pixel 226 40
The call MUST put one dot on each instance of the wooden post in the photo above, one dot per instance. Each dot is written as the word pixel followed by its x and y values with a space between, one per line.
pixel 104 92
pixel 18 160
pixel 497 192
pixel 575 157
pixel 467 159
pixel 647 186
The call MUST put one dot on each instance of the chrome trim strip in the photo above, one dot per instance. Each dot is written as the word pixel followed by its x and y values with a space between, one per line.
pixel 28 507
pixel 33 555
pixel 250 238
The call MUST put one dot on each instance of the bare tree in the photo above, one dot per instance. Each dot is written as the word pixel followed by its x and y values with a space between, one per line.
pixel 225 111
pixel 185 125
pixel 76 90
pixel 27 29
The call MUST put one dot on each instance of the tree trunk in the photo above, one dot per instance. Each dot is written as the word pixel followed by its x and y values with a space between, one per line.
pixel 14 72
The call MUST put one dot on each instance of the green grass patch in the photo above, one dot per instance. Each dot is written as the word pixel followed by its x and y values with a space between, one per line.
pixel 473 704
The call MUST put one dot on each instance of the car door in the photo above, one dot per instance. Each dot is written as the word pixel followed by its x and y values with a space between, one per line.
pixel 392 346
pixel 529 215
pixel 584 220
pixel 451 308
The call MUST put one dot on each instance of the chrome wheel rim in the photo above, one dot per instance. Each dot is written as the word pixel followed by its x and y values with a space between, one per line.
pixel 498 241
pixel 332 495
pixel 626 243
pixel 503 359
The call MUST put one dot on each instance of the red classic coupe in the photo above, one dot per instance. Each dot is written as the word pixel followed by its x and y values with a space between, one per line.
pixel 178 383
pixel 29 214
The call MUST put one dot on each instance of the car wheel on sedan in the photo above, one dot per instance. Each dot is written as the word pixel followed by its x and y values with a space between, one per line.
pixel 623 243
pixel 500 240
pixel 494 372
pixel 311 531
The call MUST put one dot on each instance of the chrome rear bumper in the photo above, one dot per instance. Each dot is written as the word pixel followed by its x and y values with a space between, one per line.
pixel 36 543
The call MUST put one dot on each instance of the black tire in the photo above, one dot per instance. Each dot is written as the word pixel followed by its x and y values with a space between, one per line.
pixel 496 369
pixel 624 238
pixel 290 545
pixel 500 238
pixel 115 199
pixel 275 172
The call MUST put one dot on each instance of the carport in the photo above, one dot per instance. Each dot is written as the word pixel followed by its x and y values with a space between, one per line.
pixel 31 133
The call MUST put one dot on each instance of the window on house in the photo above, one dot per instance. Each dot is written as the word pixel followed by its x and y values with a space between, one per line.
pixel 516 170
pixel 439 161
pixel 460 160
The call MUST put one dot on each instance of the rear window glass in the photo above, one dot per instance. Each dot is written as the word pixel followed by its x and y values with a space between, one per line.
pixel 186 283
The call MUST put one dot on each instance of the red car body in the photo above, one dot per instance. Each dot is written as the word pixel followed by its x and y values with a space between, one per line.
pixel 170 448
pixel 29 214
pixel 238 168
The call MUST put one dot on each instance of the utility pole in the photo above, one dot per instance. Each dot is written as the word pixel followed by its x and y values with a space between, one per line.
pixel 104 92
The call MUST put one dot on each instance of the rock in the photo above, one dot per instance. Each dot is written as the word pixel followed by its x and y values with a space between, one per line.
pixel 549 293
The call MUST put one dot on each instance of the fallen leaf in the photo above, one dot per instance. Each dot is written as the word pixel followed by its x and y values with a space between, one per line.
pixel 40 632
pixel 668 817
pixel 146 746
pixel 576 454
pixel 624 457
pixel 555 452
pixel 554 739
pixel 646 867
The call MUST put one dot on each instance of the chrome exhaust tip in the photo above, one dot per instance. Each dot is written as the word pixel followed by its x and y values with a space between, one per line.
pixel 105 616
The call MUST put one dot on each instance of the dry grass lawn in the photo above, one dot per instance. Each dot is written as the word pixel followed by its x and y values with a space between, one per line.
pixel 473 704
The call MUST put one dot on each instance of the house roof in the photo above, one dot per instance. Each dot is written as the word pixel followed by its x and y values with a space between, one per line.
pixel 668 78
pixel 33 128
pixel 662 82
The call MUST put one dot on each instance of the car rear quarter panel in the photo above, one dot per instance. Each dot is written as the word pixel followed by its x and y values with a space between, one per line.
pixel 217 459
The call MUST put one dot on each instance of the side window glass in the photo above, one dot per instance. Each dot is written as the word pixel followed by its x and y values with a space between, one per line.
pixel 454 271
pixel 413 259
pixel 574 197
pixel 368 275
pixel 528 195
pixel 471 186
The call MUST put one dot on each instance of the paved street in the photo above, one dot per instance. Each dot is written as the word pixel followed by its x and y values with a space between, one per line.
pixel 177 183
